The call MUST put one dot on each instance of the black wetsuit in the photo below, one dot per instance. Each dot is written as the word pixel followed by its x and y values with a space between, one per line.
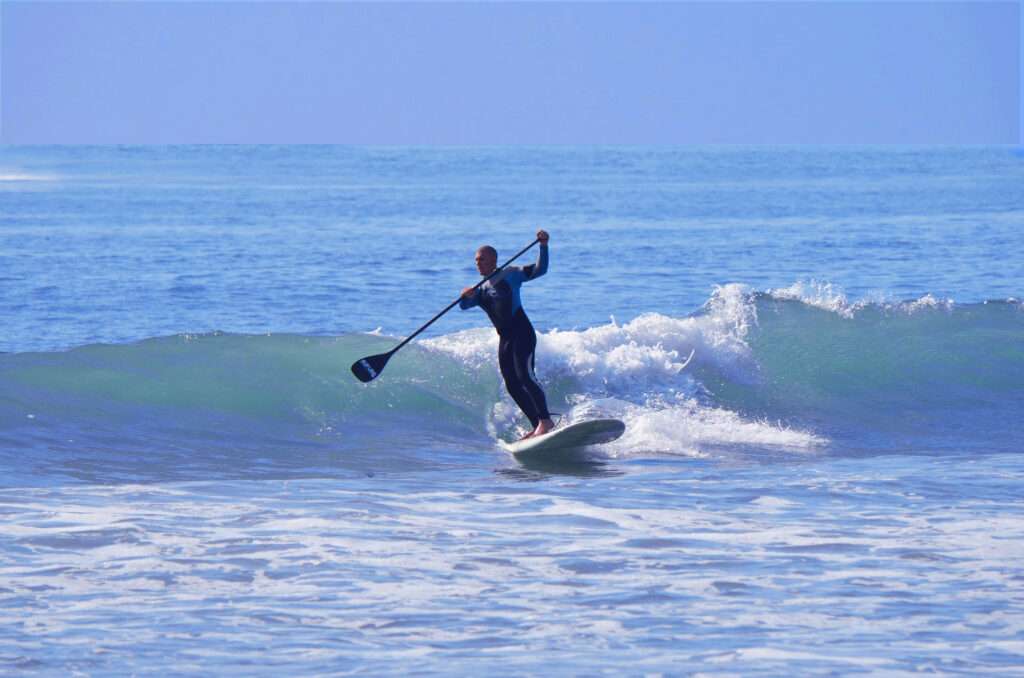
pixel 517 341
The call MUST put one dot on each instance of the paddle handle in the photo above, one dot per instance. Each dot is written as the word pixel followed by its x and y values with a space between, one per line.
pixel 475 287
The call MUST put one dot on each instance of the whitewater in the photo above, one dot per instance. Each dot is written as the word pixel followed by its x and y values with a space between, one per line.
pixel 191 480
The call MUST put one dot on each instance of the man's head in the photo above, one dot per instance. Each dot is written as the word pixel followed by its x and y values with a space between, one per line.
pixel 486 260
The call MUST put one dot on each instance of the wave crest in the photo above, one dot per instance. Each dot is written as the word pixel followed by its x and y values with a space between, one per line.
pixel 795 369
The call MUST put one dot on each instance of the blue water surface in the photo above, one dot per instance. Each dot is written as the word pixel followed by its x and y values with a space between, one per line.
pixel 192 482
pixel 102 244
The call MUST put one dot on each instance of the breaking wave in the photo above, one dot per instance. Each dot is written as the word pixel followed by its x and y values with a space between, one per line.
pixel 799 370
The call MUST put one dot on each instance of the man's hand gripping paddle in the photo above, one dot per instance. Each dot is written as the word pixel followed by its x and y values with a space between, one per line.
pixel 369 368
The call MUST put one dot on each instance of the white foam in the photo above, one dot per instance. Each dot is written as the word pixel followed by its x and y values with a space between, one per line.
pixel 634 371
pixel 647 353
pixel 928 301
pixel 830 297
pixel 690 429
pixel 772 504
pixel 825 296
pixel 650 350
pixel 779 655
pixel 475 347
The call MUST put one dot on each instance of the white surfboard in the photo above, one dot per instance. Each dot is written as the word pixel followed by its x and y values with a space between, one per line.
pixel 580 434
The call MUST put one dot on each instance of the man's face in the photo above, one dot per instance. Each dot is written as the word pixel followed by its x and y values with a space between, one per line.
pixel 486 262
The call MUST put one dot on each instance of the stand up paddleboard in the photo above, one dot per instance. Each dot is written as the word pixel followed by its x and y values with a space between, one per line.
pixel 581 434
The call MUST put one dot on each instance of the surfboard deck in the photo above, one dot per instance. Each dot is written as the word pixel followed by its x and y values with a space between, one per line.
pixel 580 434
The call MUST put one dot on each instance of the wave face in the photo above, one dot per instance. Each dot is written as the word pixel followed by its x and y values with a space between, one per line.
pixel 889 375
pixel 794 371
pixel 223 404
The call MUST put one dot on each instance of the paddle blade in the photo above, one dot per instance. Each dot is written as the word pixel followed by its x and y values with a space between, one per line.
pixel 368 368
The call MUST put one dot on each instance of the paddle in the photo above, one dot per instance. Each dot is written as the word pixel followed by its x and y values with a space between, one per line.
pixel 369 368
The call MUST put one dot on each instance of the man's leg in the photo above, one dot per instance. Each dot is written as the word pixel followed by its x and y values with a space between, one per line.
pixel 523 350
pixel 513 383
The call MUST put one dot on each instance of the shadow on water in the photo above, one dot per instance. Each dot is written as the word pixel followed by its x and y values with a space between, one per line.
pixel 574 462
pixel 146 454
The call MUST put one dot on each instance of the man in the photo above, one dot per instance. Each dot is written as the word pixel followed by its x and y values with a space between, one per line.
pixel 499 296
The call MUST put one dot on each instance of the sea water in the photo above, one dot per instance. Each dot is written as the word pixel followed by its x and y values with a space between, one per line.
pixel 191 480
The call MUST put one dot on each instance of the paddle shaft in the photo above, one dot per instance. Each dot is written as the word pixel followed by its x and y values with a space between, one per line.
pixel 452 305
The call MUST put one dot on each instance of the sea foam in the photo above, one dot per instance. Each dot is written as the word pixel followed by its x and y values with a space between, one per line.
pixel 635 371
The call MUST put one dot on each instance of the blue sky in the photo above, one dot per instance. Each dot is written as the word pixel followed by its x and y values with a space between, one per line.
pixel 511 73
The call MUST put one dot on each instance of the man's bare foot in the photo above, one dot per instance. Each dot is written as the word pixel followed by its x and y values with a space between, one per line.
pixel 528 435
pixel 543 427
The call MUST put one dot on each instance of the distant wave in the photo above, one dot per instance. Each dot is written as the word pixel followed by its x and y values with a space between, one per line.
pixel 24 176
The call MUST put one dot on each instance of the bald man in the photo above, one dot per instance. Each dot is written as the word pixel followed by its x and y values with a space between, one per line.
pixel 517 341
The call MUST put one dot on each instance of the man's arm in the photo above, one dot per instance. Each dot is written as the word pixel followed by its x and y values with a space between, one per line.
pixel 534 271
pixel 470 298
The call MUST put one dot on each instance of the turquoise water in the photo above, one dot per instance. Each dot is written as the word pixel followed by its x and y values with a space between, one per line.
pixel 193 479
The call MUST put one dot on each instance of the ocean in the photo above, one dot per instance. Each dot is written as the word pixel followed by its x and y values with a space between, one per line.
pixel 192 481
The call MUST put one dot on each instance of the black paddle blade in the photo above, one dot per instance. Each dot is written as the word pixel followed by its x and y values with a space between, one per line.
pixel 368 368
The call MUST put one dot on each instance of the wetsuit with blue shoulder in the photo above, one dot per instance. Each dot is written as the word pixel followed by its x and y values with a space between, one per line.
pixel 500 298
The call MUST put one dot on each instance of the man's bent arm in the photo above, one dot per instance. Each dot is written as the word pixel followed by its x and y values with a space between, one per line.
pixel 470 301
pixel 534 271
